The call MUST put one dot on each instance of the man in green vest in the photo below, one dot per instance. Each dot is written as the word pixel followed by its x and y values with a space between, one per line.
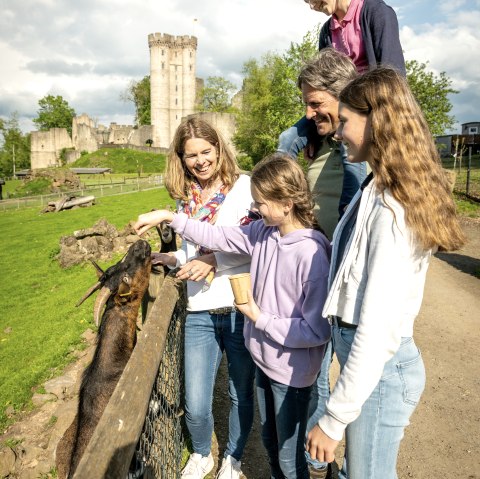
pixel 333 180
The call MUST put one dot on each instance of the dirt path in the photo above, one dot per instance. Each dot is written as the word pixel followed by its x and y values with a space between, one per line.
pixel 443 440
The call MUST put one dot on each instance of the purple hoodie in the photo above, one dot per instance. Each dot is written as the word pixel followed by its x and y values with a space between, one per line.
pixel 289 281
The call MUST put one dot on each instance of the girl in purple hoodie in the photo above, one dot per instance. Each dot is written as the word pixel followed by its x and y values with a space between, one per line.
pixel 284 328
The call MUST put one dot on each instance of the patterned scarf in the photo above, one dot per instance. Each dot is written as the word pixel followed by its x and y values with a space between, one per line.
pixel 207 212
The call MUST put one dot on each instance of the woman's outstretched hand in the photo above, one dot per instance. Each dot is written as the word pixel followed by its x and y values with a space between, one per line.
pixel 197 269
pixel 151 219
pixel 320 446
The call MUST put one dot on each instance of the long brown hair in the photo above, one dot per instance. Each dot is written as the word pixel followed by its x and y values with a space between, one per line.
pixel 277 177
pixel 177 177
pixel 403 157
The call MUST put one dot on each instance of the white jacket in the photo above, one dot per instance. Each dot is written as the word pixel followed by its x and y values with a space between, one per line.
pixel 235 206
pixel 379 287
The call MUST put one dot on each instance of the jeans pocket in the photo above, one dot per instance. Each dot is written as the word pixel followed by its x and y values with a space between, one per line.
pixel 412 377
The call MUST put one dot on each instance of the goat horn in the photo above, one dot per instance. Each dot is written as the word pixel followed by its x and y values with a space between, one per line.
pixel 92 290
pixel 100 271
pixel 100 302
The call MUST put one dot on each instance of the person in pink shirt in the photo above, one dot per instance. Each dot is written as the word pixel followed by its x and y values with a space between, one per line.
pixel 367 32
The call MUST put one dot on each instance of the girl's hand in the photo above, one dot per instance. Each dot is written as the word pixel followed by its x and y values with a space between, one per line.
pixel 198 268
pixel 168 259
pixel 149 220
pixel 320 446
pixel 250 308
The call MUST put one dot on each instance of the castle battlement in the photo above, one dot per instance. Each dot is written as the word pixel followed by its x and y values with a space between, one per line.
pixel 171 41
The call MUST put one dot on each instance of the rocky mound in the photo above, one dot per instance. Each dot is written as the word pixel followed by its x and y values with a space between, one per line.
pixel 100 241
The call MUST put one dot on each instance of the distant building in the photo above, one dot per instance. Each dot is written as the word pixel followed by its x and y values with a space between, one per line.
pixel 472 128
pixel 173 96
pixel 469 138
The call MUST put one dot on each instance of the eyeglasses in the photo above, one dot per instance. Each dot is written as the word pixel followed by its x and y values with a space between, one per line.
pixel 251 216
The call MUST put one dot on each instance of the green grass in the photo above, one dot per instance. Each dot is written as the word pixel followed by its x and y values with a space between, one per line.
pixel 122 161
pixel 39 324
pixel 10 186
pixel 466 207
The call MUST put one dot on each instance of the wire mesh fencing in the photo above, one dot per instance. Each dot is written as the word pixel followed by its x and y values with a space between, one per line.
pixel 159 450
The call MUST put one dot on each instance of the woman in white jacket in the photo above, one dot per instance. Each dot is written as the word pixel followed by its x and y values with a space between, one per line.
pixel 382 246
pixel 204 178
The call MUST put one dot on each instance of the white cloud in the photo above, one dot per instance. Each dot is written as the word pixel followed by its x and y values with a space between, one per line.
pixel 453 48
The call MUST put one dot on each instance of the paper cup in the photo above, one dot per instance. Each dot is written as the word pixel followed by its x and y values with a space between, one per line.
pixel 240 284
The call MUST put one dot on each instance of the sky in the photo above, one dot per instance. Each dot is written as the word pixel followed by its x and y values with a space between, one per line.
pixel 89 51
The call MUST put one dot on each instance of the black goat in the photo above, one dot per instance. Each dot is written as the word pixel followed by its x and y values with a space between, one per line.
pixel 168 243
pixel 122 288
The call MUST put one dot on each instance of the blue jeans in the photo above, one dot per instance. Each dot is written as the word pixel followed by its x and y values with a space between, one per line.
pixel 373 439
pixel 318 399
pixel 206 337
pixel 293 140
pixel 283 415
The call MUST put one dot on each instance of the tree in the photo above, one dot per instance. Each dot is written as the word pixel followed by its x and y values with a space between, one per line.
pixel 271 99
pixel 15 146
pixel 217 95
pixel 55 112
pixel 139 93
pixel 431 92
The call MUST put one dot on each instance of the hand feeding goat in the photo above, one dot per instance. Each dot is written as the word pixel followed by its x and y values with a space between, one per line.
pixel 168 244
pixel 122 288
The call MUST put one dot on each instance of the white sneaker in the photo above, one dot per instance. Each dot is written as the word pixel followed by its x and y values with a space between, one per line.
pixel 230 469
pixel 198 466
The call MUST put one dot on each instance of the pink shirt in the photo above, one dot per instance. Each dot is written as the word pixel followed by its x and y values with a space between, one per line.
pixel 347 35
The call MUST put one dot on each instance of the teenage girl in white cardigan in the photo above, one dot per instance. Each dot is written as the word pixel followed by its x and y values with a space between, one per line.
pixel 381 251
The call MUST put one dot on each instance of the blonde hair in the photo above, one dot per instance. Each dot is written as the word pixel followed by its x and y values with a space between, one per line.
pixel 177 177
pixel 277 177
pixel 403 157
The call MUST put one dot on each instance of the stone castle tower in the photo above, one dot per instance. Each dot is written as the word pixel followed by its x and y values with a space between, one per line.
pixel 172 83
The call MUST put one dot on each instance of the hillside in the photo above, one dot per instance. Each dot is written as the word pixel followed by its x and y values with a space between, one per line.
pixel 122 161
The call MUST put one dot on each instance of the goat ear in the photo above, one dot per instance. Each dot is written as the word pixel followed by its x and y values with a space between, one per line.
pixel 124 288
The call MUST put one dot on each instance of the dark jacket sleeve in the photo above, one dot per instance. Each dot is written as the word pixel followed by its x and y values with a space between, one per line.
pixel 381 36
pixel 325 38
